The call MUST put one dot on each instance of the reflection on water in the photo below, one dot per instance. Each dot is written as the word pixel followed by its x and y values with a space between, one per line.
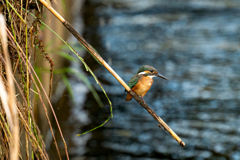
pixel 193 43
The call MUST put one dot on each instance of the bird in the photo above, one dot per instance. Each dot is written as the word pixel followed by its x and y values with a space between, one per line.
pixel 142 81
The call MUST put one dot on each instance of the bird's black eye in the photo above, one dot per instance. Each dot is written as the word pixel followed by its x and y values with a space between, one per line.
pixel 151 71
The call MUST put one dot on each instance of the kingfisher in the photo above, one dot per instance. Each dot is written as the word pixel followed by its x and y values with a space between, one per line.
pixel 142 81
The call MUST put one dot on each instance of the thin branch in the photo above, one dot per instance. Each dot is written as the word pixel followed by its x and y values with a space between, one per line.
pixel 101 60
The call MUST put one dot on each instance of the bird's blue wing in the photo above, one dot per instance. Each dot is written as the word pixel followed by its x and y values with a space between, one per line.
pixel 133 81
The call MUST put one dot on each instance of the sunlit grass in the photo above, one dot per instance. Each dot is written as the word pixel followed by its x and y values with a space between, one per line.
pixel 30 124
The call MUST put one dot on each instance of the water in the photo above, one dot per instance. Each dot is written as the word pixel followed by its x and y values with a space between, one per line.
pixel 193 43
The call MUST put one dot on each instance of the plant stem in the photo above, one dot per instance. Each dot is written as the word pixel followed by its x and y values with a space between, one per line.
pixel 88 47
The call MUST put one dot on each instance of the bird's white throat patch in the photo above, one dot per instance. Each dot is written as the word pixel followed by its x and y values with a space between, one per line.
pixel 151 76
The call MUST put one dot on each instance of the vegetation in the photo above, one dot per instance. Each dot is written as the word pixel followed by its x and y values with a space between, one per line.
pixel 20 23
pixel 19 45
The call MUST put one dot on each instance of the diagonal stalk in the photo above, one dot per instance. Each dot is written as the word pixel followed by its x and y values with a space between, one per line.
pixel 88 47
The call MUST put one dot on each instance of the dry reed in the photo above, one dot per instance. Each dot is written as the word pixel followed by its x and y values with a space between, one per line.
pixel 17 57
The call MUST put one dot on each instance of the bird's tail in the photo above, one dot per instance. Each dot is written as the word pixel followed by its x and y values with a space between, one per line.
pixel 128 98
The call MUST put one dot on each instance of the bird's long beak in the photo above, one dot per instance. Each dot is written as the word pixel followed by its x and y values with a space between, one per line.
pixel 161 76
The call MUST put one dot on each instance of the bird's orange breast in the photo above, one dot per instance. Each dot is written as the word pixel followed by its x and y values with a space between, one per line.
pixel 143 86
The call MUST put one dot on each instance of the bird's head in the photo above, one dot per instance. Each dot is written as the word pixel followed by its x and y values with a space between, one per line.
pixel 149 71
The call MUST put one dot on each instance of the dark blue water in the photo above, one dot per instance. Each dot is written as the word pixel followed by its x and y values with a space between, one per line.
pixel 193 43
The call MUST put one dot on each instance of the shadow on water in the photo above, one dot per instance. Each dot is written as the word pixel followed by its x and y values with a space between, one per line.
pixel 196 45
